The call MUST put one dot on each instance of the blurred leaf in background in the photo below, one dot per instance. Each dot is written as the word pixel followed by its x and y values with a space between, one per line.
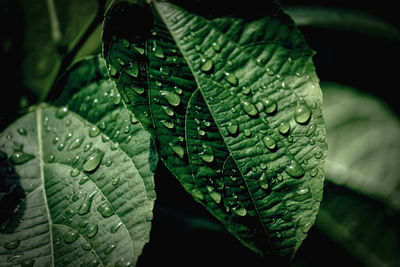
pixel 361 205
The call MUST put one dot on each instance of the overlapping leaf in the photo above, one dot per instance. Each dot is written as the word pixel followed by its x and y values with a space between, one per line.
pixel 235 107
pixel 85 201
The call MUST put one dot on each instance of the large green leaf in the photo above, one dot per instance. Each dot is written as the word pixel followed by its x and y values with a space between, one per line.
pixel 234 103
pixel 85 201
pixel 361 203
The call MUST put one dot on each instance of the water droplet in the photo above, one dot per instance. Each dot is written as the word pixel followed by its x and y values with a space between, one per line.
pixel 115 227
pixel 164 70
pixel 105 209
pixel 206 65
pixel 240 211
pixel 232 127
pixel 167 110
pixel 92 230
pixel 22 131
pixel 87 147
pixel 302 113
pixel 284 127
pixel 270 105
pixel 93 161
pixel 60 147
pixel 51 158
pixel 157 50
pixel 231 78
pixel 27 263
pixel 314 172
pixel 279 177
pixel 200 131
pixel 108 163
pixel 278 235
pixel 94 131
pixel 197 48
pixel 140 50
pixel 20 157
pixel 83 180
pixel 249 108
pixel 75 144
pixel 207 154
pixel 246 90
pixel 270 72
pixel 115 181
pixel 12 244
pixel 71 236
pixel 86 246
pixel 133 70
pixel 247 133
pixel 74 172
pixel 311 129
pixel 318 155
pixel 196 193
pixel 263 166
pixel 109 248
pixel 216 197
pixel 125 43
pixel 216 46
pixel 55 140
pixel 167 124
pixel 61 112
pixel 84 208
pixel 294 169
pixel 179 150
pixel 263 181
pixel 172 98
pixel 269 142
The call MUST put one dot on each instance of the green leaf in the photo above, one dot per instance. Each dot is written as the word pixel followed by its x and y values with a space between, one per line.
pixel 362 196
pixel 235 107
pixel 364 145
pixel 86 203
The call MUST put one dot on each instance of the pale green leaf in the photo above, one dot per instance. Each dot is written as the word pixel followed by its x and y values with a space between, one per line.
pixel 234 104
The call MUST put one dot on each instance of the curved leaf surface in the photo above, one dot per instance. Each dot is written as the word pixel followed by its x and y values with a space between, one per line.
pixel 235 107
pixel 86 203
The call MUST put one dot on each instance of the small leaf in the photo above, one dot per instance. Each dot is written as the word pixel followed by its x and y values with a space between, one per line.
pixel 238 79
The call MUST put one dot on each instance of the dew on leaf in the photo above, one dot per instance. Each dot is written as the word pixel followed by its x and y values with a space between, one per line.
pixel 269 142
pixel 232 127
pixel 115 181
pixel 93 161
pixel 207 154
pixel 84 208
pixel 172 98
pixel 294 169
pixel 206 65
pixel 110 248
pixel 27 263
pixel 105 210
pixel 247 133
pixel 314 172
pixel 71 236
pixel 92 230
pixel 74 172
pixel 76 143
pixel 302 113
pixel 216 197
pixel 115 227
pixel 51 158
pixel 284 127
pixel 133 70
pixel 20 157
pixel 196 193
pixel 216 46
pixel 249 108
pixel 263 181
pixel 22 131
pixel 178 149
pixel 270 105
pixel 157 50
pixel 86 246
pixel 83 180
pixel 12 244
pixel 61 112
pixel 164 70
pixel 167 124
pixel 87 147
pixel 231 79
pixel 167 110
pixel 240 211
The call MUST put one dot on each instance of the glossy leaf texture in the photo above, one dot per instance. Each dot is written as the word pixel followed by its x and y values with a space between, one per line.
pixel 360 210
pixel 85 201
pixel 235 107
